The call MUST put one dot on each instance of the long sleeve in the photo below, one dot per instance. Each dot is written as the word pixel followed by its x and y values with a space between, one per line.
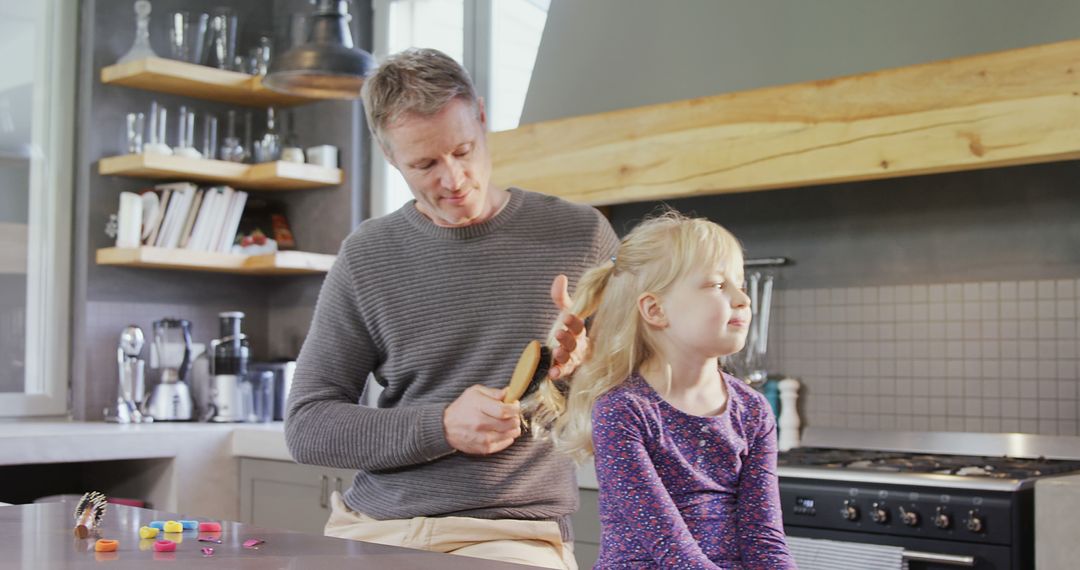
pixel 325 425
pixel 760 518
pixel 634 504
pixel 430 311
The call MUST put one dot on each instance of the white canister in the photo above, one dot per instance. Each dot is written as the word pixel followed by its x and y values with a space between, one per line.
pixel 292 154
pixel 323 155
pixel 129 220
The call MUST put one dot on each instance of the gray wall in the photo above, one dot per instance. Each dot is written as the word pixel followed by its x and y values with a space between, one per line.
pixel 982 236
pixel 105 299
pixel 601 55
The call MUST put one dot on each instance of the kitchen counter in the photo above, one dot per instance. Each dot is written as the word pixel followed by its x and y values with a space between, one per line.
pixel 40 536
pixel 199 470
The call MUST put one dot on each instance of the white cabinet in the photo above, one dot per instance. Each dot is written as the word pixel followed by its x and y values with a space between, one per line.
pixel 281 494
pixel 587 529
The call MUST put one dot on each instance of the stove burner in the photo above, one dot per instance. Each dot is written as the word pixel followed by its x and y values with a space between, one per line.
pixel 897 462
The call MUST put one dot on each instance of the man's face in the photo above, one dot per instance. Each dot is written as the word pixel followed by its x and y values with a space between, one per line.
pixel 445 161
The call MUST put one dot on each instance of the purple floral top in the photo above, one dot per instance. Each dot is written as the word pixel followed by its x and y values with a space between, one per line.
pixel 685 491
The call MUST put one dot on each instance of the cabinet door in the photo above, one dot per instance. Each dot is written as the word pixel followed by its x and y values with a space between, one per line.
pixel 587 529
pixel 279 494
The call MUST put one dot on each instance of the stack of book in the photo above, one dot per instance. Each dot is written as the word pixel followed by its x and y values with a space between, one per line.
pixel 182 215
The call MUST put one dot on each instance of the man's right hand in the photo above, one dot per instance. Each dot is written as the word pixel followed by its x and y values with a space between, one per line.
pixel 479 423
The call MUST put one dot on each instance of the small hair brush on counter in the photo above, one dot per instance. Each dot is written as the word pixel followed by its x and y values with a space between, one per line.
pixel 88 513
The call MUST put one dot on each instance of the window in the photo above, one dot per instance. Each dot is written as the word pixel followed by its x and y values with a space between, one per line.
pixel 36 119
pixel 496 40
pixel 516 27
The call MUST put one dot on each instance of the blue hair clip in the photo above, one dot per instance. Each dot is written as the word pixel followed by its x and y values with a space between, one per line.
pixel 613 259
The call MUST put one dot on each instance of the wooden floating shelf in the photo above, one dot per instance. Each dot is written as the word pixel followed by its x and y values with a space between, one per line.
pixel 992 110
pixel 280 263
pixel 277 175
pixel 199 81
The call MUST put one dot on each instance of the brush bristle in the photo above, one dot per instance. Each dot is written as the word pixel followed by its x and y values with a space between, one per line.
pixel 541 371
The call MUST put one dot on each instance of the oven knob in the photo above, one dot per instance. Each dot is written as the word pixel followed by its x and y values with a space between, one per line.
pixel 942 519
pixel 850 511
pixel 975 522
pixel 910 518
pixel 878 514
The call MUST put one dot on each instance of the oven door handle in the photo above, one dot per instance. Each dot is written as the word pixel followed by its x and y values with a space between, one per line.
pixel 950 559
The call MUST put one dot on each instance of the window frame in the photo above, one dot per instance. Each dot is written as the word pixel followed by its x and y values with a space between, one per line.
pixel 478 38
pixel 48 270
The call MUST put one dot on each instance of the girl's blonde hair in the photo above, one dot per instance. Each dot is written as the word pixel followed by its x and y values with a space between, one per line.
pixel 650 259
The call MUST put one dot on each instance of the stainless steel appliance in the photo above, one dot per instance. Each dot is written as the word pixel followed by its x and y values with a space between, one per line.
pixel 229 357
pixel 283 376
pixel 171 398
pixel 946 508
pixel 131 368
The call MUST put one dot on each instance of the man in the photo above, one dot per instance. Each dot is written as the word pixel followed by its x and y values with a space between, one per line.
pixel 437 300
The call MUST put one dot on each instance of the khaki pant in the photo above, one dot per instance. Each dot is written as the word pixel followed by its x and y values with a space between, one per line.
pixel 538 543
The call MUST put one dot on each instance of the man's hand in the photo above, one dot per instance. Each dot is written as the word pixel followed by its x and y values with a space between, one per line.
pixel 479 423
pixel 573 343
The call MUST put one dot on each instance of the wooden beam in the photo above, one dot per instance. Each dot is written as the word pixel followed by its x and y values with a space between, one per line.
pixel 1007 108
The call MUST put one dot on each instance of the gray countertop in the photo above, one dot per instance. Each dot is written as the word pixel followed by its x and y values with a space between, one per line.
pixel 40 536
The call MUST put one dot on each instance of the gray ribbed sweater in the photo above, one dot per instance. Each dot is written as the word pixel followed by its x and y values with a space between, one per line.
pixel 431 311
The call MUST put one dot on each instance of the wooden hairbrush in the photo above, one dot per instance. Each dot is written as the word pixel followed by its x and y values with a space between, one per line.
pixel 88 513
pixel 531 368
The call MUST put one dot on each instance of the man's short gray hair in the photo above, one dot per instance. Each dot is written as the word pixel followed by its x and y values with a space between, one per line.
pixel 416 80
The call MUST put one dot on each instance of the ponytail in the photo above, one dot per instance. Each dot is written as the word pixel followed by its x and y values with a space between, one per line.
pixel 548 402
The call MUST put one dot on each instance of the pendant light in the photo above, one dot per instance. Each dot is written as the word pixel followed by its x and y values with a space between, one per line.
pixel 327 66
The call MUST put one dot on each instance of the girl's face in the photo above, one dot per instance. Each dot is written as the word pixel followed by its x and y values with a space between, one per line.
pixel 707 313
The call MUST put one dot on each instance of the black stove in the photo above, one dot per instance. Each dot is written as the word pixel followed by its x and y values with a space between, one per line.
pixel 897 462
pixel 946 511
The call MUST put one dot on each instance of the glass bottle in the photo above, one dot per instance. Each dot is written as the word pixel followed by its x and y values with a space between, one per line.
pixel 231 149
pixel 270 144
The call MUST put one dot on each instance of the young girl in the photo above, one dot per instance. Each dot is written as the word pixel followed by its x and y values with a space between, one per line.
pixel 685 454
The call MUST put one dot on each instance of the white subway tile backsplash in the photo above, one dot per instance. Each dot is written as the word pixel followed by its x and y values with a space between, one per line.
pixel 1066 289
pixel 1066 329
pixel 1026 290
pixel 982 356
pixel 1066 309
pixel 1046 290
pixel 1045 329
pixel 1046 389
pixel 1046 309
pixel 1067 390
pixel 936 293
pixel 972 310
pixel 1066 410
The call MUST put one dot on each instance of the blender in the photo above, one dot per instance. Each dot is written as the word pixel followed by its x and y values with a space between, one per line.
pixel 171 398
